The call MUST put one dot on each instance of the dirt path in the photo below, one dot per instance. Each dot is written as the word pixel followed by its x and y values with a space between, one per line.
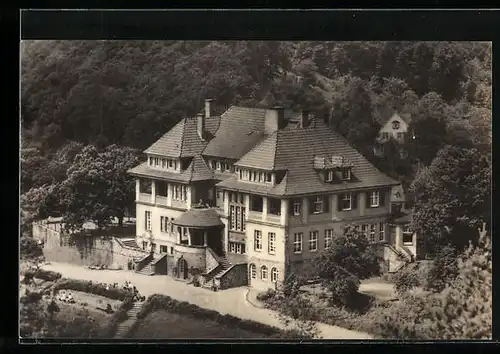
pixel 231 301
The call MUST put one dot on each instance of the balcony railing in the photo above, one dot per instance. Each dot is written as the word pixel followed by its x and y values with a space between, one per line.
pixel 160 200
pixel 144 197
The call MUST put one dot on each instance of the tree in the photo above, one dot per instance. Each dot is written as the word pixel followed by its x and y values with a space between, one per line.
pixel 349 258
pixel 452 196
pixel 462 310
pixel 97 187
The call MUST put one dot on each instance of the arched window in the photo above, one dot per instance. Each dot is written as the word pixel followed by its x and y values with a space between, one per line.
pixel 263 272
pixel 253 271
pixel 395 124
pixel 274 275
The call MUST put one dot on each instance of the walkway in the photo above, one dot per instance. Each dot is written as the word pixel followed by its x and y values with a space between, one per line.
pixel 231 301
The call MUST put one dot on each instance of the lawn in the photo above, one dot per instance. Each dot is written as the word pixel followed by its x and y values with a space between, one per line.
pixel 167 325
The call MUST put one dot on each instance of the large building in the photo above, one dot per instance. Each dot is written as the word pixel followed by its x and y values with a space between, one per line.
pixel 251 196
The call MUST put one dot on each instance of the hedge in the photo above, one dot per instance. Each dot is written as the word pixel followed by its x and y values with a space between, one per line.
pixel 46 275
pixel 92 288
pixel 158 301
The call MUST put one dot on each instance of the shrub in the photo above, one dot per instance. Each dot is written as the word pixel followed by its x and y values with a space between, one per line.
pixel 266 295
pixel 405 280
pixel 46 275
pixel 343 288
pixel 31 297
pixel 443 270
pixel 29 248
pixel 91 288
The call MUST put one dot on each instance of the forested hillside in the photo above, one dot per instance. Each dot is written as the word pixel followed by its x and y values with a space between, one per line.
pixel 129 93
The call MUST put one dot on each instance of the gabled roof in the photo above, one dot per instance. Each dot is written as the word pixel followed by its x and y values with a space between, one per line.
pixel 183 139
pixel 388 115
pixel 262 155
pixel 239 130
pixel 294 151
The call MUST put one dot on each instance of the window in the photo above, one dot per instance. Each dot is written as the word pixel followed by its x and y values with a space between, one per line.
pixel 328 238
pixel 318 205
pixel 271 242
pixel 329 176
pixel 381 232
pixel 144 245
pixel 268 177
pixel 163 223
pixel 147 218
pixel 163 249
pixel 346 201
pixel 256 203
pixel 257 240
pixel 274 275
pixel 171 250
pixel 297 206
pixel 274 206
pixel 161 188
pixel 385 135
pixel 313 241
pixel 399 135
pixel 163 163
pixel 363 229
pixel 346 174
pixel 395 124
pixel 374 199
pixel 236 247
pixel 237 218
pixel 263 272
pixel 153 247
pixel 145 186
pixel 213 164
pixel 157 162
pixel 150 161
pixel 218 166
pixel 170 163
pixel 297 242
pixel 372 232
pixel 407 235
pixel 172 225
pixel 253 271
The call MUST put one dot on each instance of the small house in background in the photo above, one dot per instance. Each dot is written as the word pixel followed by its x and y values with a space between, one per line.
pixel 396 127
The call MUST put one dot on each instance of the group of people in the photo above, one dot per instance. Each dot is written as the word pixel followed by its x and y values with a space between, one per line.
pixel 66 297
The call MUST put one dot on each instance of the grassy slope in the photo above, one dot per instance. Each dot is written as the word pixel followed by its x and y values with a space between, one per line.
pixel 167 325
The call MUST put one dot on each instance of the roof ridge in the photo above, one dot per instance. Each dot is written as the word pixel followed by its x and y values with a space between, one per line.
pixel 182 135
pixel 275 149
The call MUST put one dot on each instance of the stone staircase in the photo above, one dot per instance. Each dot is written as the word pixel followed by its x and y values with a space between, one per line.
pixel 147 269
pixel 130 242
pixel 124 327
pixel 224 265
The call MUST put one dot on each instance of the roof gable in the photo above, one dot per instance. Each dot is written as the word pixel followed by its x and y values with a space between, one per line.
pixel 183 139
pixel 261 156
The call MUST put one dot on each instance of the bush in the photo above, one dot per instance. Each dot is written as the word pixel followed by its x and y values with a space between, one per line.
pixel 29 248
pixel 31 297
pixel 92 288
pixel 266 295
pixel 405 280
pixel 343 288
pixel 46 275
pixel 443 270
pixel 157 301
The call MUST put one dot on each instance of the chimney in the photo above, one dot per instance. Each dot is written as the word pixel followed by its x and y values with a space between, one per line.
pixel 304 119
pixel 275 119
pixel 208 101
pixel 200 124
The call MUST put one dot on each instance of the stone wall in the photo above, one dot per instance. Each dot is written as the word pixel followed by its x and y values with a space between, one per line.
pixel 122 255
pixel 236 276
pixel 161 264
pixel 210 262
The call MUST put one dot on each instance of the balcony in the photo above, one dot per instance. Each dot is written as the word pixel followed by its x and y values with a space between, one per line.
pixel 161 200
pixel 273 218
pixel 186 249
pixel 144 197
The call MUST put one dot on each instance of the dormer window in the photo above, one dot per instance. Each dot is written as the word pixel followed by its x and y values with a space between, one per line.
pixel 346 174
pixel 218 166
pixel 395 125
pixel 268 177
pixel 150 161
pixel 329 176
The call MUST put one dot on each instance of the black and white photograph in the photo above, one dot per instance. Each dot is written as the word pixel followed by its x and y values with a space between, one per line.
pixel 255 189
